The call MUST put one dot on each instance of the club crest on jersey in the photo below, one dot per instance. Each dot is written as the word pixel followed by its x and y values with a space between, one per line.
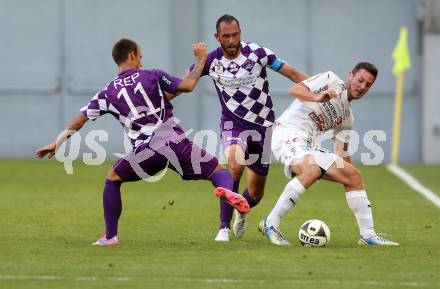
pixel 218 68
pixel 248 64
pixel 233 67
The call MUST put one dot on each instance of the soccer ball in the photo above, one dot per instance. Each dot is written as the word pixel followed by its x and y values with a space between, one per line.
pixel 314 233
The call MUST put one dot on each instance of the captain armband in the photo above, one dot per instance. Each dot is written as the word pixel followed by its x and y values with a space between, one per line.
pixel 276 64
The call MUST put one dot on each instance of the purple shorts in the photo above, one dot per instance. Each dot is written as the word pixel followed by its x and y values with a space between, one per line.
pixel 254 142
pixel 177 153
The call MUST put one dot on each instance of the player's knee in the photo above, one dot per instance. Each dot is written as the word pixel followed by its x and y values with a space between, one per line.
pixel 235 168
pixel 356 178
pixel 307 174
pixel 312 172
pixel 256 195
pixel 112 176
pixel 218 168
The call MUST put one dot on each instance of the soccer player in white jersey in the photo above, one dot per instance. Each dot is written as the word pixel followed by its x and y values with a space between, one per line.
pixel 323 103
pixel 238 70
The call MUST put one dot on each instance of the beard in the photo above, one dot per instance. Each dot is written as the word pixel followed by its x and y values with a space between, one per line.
pixel 231 50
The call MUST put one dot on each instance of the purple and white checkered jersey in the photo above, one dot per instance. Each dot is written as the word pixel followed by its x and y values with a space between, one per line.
pixel 309 119
pixel 242 84
pixel 136 99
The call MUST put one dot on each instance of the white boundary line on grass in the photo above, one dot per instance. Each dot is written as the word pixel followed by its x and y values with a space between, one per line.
pixel 414 184
pixel 390 284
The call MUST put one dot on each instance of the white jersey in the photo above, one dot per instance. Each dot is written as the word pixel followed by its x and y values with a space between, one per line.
pixel 307 120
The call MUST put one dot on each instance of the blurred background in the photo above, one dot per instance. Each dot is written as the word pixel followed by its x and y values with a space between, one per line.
pixel 56 54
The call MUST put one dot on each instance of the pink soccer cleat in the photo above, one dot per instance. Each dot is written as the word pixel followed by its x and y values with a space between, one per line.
pixel 235 200
pixel 103 241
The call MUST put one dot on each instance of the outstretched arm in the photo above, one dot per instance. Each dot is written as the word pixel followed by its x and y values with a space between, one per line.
pixel 190 80
pixel 171 96
pixel 302 92
pixel 76 124
pixel 292 74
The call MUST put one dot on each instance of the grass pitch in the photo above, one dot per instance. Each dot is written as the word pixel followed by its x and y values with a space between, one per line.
pixel 48 220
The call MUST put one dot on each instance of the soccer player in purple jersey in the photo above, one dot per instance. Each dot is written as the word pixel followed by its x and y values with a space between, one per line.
pixel 238 70
pixel 136 98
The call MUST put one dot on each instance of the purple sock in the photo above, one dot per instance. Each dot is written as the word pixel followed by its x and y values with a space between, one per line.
pixel 111 199
pixel 226 211
pixel 235 186
pixel 223 179
pixel 251 201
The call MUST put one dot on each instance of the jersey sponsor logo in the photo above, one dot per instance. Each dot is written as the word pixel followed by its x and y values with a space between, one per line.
pixel 233 67
pixel 325 87
pixel 166 80
pixel 331 114
pixel 237 82
pixel 319 120
pixel 330 117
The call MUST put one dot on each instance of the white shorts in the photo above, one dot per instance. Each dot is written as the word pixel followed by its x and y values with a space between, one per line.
pixel 290 147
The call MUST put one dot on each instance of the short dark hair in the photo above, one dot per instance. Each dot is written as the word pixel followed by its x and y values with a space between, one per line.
pixel 122 49
pixel 367 66
pixel 226 18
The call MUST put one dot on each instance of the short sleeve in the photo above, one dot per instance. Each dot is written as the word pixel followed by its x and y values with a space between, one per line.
pixel 167 82
pixel 322 81
pixel 97 106
pixel 273 61
pixel 266 57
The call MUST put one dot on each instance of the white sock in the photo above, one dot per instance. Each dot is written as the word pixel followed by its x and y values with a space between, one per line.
pixel 290 196
pixel 361 208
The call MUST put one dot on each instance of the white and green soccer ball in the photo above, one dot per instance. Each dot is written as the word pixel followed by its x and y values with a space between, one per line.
pixel 314 233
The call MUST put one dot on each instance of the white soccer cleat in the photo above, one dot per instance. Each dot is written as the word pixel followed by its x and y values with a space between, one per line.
pixel 377 240
pixel 103 241
pixel 273 234
pixel 239 227
pixel 223 235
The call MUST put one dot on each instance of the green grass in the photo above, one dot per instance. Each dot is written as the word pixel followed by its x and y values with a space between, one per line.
pixel 428 175
pixel 48 220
